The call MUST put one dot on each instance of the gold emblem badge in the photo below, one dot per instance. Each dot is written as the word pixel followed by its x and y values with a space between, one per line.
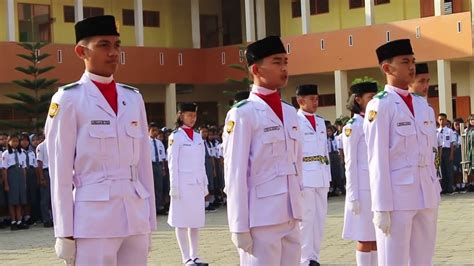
pixel 348 132
pixel 230 126
pixel 53 110
pixel 372 115
pixel 170 142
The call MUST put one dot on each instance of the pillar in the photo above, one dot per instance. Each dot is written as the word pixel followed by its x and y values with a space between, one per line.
pixel 444 88
pixel 341 86
pixel 250 20
pixel 261 21
pixel 138 12
pixel 170 105
pixel 305 16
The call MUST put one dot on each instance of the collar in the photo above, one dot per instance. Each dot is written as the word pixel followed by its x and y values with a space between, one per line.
pixel 185 127
pixel 262 90
pixel 402 92
pixel 97 78
pixel 306 113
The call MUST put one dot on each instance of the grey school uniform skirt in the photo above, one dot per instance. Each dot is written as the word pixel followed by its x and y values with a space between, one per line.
pixel 17 185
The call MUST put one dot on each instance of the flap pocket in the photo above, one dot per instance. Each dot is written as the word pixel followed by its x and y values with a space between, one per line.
pixel 275 186
pixel 405 128
pixel 102 132
pixel 403 176
pixel 293 133
pixel 134 131
pixel 141 191
pixel 94 192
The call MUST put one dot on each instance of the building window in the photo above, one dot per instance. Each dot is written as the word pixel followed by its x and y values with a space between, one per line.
pixel 87 12
pixel 34 23
pixel 128 17
pixel 361 3
pixel 315 7
pixel 318 6
pixel 151 18
pixel 296 8
pixel 93 12
pixel 69 14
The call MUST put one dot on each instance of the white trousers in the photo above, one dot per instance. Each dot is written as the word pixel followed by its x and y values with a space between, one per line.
pixel 412 238
pixel 274 245
pixel 132 250
pixel 312 226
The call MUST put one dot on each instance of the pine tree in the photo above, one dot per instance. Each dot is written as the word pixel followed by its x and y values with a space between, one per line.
pixel 35 98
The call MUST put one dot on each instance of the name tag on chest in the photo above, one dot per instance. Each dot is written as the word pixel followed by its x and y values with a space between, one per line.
pixel 403 124
pixel 268 129
pixel 100 122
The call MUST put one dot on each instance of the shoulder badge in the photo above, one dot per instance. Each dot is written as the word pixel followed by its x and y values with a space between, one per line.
pixel 372 115
pixel 230 126
pixel 351 121
pixel 381 95
pixel 348 131
pixel 287 103
pixel 129 88
pixel 240 104
pixel 53 110
pixel 170 142
pixel 69 86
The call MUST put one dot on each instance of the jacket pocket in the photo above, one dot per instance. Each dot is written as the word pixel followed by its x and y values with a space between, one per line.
pixel 275 186
pixel 94 192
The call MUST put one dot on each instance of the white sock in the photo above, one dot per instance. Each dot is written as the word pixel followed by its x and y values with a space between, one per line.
pixel 207 204
pixel 363 258
pixel 375 258
pixel 182 237
pixel 193 234
pixel 27 217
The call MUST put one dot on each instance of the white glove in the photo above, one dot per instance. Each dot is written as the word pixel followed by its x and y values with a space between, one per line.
pixel 354 207
pixel 66 250
pixel 243 241
pixel 174 192
pixel 382 221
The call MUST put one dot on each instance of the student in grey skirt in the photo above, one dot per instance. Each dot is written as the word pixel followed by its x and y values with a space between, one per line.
pixel 14 172
pixel 32 207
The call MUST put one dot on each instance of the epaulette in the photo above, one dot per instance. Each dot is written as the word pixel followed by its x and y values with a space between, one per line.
pixel 414 94
pixel 69 86
pixel 174 131
pixel 130 88
pixel 287 103
pixel 381 95
pixel 320 117
pixel 351 121
pixel 240 104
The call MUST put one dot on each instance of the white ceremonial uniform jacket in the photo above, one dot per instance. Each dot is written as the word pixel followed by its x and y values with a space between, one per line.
pixel 355 157
pixel 106 156
pixel 186 160
pixel 262 165
pixel 400 154
pixel 434 134
pixel 316 169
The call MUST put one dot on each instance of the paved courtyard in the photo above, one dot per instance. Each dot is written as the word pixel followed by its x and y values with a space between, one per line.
pixel 455 244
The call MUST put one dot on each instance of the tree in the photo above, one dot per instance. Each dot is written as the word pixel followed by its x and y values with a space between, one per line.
pixel 367 79
pixel 35 98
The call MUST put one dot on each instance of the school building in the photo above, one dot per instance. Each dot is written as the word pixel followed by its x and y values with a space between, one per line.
pixel 180 50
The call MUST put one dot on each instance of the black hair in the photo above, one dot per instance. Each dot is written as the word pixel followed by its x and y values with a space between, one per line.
pixel 24 136
pixel 443 115
pixel 178 122
pixel 152 125
pixel 10 149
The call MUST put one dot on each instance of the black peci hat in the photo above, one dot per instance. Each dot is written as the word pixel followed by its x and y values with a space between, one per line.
pixel 187 107
pixel 364 87
pixel 307 89
pixel 263 48
pixel 394 48
pixel 94 26
pixel 422 68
